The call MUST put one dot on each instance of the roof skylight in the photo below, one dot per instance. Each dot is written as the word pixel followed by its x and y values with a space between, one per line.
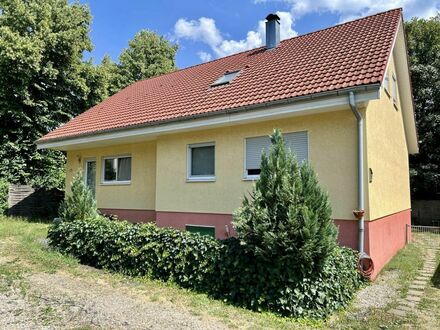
pixel 226 78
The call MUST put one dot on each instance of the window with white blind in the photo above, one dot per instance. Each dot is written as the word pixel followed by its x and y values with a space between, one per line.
pixel 201 162
pixel 297 142
pixel 116 169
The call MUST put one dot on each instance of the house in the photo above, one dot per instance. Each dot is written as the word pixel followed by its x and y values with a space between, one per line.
pixel 182 149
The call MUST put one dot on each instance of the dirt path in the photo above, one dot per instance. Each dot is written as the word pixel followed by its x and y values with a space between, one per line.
pixel 60 300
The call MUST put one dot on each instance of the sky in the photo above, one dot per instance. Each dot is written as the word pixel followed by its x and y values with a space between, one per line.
pixel 208 29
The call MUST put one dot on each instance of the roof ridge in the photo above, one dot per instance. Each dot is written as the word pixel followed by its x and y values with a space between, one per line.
pixel 283 41
pixel 345 23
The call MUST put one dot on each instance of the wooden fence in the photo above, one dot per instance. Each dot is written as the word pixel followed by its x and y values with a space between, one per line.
pixel 26 201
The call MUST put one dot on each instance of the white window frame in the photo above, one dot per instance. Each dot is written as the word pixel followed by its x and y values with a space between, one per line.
pixel 255 177
pixel 191 178
pixel 115 182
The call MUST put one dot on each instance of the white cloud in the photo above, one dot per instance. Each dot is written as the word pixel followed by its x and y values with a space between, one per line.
pixel 205 30
pixel 350 9
pixel 204 56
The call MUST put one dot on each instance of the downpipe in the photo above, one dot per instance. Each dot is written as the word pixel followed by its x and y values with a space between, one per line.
pixel 365 265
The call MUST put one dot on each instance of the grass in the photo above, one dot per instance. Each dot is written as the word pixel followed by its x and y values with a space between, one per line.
pixel 23 253
pixel 407 263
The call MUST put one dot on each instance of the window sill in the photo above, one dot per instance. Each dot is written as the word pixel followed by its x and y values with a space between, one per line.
pixel 395 106
pixel 116 183
pixel 251 178
pixel 200 179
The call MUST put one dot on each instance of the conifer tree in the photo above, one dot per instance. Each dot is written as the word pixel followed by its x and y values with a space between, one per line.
pixel 80 203
pixel 287 216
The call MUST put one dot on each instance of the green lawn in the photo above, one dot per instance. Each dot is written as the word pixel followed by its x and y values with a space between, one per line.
pixel 23 254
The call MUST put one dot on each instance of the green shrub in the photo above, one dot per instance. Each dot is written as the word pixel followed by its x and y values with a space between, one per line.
pixel 4 190
pixel 288 216
pixel 138 250
pixel 223 269
pixel 257 283
pixel 80 203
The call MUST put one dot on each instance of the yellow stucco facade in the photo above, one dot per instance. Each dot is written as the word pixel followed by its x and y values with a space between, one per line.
pixel 159 168
pixel 387 154
pixel 139 194
pixel 331 141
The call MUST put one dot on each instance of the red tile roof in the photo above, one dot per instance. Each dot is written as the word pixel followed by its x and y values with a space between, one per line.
pixel 346 55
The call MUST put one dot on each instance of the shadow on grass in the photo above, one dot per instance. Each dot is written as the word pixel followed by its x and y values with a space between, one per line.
pixel 436 278
pixel 32 219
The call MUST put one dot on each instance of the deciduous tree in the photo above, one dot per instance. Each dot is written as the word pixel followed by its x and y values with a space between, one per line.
pixel 424 53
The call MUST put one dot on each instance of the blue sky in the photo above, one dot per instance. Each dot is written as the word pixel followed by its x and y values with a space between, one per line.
pixel 207 29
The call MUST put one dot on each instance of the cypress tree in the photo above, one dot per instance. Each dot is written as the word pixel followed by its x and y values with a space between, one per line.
pixel 287 216
pixel 80 203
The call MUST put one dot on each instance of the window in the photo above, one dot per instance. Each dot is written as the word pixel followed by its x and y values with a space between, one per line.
pixel 117 169
pixel 386 83
pixel 297 142
pixel 202 230
pixel 394 90
pixel 90 174
pixel 201 162
pixel 226 78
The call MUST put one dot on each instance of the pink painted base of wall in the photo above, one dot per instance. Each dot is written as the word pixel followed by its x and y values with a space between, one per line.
pixel 180 219
pixel 384 237
pixel 132 215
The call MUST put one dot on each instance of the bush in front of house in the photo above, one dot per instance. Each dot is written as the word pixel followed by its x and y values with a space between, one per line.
pixel 256 283
pixel 80 203
pixel 285 258
pixel 4 190
pixel 223 269
pixel 142 249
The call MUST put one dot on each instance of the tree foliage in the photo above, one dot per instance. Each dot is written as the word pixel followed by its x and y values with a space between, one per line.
pixel 287 216
pixel 44 80
pixel 424 53
pixel 147 55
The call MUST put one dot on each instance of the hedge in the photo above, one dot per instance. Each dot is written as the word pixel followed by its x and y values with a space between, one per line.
pixel 222 269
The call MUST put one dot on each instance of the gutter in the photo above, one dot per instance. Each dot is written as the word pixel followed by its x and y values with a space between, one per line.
pixel 366 265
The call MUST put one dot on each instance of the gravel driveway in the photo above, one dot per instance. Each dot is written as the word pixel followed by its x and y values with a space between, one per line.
pixel 60 300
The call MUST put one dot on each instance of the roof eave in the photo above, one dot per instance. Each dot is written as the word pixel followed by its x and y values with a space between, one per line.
pixel 303 105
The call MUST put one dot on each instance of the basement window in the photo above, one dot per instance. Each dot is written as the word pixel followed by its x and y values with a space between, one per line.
pixel 202 230
pixel 226 78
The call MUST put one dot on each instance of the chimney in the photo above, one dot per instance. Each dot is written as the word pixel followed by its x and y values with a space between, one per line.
pixel 272 31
